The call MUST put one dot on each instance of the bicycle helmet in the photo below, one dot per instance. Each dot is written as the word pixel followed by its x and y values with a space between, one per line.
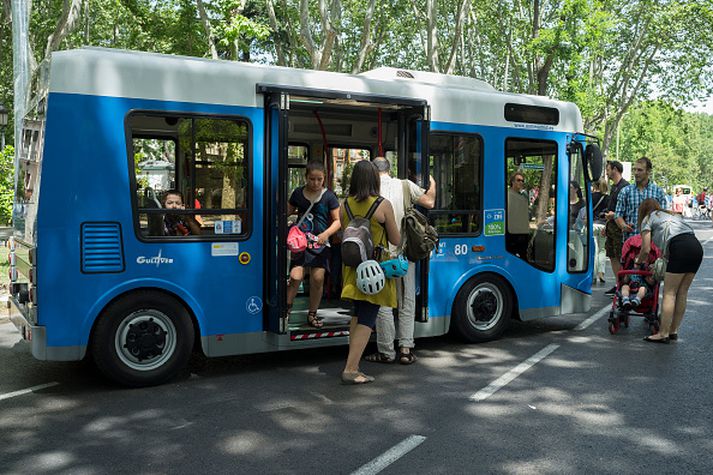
pixel 370 277
pixel 395 268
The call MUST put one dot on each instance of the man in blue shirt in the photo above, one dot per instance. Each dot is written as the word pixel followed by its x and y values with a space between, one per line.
pixel 627 206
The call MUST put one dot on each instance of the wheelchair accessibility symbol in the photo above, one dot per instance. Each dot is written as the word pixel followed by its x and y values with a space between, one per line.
pixel 253 305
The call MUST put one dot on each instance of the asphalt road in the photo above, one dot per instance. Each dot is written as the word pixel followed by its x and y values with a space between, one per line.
pixel 558 395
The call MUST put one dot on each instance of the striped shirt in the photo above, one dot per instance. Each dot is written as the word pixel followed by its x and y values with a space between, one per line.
pixel 631 197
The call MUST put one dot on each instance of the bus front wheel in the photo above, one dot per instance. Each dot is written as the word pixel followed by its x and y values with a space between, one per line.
pixel 143 339
pixel 482 309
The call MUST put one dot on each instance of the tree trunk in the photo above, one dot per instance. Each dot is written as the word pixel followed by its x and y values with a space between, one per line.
pixel 329 16
pixel 457 35
pixel 208 30
pixel 366 42
pixel 306 34
pixel 281 59
pixel 67 22
pixel 432 35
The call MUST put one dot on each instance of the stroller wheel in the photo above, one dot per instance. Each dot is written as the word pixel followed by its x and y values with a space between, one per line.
pixel 613 327
pixel 625 320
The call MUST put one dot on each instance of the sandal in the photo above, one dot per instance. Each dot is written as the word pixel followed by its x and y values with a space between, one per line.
pixel 313 320
pixel 379 357
pixel 406 358
pixel 356 378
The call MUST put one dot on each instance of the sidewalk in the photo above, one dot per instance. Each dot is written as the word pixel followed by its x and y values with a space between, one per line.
pixel 4 318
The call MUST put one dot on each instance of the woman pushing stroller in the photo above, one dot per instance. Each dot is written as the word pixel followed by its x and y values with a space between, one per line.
pixel 684 255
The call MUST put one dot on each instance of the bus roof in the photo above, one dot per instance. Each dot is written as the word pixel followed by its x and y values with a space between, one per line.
pixel 131 74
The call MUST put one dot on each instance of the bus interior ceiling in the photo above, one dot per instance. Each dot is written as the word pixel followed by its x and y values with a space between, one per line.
pixel 349 132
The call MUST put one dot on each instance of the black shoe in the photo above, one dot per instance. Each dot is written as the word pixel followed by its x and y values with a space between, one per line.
pixel 611 291
pixel 659 340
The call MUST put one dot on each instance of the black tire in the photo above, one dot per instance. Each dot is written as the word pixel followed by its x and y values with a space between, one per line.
pixel 143 339
pixel 483 309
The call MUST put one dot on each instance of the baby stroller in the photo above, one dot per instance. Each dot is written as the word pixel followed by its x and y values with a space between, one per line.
pixel 649 306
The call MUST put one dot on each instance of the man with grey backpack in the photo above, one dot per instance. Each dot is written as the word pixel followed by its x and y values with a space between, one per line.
pixel 402 194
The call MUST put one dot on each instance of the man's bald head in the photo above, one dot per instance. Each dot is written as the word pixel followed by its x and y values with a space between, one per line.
pixel 382 164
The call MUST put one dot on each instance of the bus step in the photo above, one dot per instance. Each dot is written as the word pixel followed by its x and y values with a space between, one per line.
pixel 315 334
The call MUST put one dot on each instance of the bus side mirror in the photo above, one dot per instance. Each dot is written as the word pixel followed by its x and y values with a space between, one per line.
pixel 594 162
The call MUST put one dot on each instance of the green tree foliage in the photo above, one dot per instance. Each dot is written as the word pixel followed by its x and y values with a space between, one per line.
pixel 7 183
pixel 679 143
pixel 607 56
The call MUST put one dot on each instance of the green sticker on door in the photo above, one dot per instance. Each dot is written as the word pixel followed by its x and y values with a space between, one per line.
pixel 494 220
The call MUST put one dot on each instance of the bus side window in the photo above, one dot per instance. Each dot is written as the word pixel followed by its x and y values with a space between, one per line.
pixel 456 166
pixel 200 161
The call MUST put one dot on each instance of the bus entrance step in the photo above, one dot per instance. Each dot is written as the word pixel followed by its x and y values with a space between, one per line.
pixel 318 333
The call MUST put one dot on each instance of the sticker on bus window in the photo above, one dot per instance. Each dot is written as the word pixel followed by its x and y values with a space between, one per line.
pixel 228 226
pixel 494 220
pixel 224 249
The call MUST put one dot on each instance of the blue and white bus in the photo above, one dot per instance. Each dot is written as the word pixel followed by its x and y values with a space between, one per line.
pixel 93 272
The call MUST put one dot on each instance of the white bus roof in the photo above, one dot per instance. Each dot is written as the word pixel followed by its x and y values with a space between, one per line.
pixel 131 74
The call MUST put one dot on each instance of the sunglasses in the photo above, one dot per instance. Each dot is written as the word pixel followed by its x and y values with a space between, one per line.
pixel 520 180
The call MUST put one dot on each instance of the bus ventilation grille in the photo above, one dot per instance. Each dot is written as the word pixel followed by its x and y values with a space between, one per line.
pixel 102 248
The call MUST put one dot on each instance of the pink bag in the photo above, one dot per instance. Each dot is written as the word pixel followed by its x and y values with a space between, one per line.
pixel 296 240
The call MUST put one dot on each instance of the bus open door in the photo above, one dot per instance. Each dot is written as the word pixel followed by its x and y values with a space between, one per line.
pixel 336 129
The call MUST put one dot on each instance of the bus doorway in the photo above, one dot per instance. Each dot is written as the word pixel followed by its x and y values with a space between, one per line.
pixel 335 130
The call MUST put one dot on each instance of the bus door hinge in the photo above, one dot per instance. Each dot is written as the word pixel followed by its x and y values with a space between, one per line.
pixel 284 102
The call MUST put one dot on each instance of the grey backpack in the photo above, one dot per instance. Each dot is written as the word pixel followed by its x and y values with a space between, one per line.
pixel 357 245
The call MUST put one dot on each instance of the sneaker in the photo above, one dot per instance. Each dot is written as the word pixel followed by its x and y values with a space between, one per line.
pixel 626 303
pixel 611 291
pixel 635 302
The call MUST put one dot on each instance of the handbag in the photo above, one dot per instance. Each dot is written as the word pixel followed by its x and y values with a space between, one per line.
pixel 296 238
pixel 658 268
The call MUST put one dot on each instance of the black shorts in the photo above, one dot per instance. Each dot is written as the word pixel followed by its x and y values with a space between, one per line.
pixel 366 313
pixel 685 254
pixel 310 258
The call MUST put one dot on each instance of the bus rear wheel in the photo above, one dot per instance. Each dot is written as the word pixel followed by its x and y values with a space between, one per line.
pixel 143 339
pixel 482 309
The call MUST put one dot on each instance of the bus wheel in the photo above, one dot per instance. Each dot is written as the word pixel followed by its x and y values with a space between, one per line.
pixel 143 339
pixel 482 309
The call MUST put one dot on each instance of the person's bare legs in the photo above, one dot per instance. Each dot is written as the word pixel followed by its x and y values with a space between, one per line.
pixel 358 338
pixel 297 274
pixel 641 293
pixel 671 283
pixel 681 301
pixel 316 287
pixel 624 291
pixel 615 266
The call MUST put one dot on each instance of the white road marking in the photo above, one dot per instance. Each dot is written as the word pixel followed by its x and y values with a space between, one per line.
pixel 508 377
pixel 583 325
pixel 390 456
pixel 27 391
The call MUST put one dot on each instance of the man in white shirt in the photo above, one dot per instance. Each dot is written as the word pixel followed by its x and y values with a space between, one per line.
pixel 393 190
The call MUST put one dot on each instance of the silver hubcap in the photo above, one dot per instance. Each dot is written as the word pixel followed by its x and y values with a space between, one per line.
pixel 145 340
pixel 485 306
